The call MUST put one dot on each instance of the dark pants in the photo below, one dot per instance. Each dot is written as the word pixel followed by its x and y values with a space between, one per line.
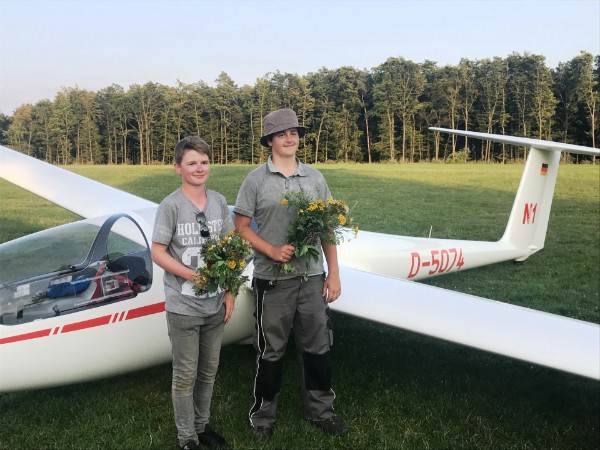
pixel 280 307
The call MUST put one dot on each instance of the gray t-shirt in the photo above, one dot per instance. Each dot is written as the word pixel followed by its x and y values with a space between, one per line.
pixel 260 198
pixel 175 226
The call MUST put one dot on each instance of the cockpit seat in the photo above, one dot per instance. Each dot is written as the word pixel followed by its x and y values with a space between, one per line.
pixel 134 266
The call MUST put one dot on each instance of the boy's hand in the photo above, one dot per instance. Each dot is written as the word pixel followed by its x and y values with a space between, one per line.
pixel 197 280
pixel 283 253
pixel 332 288
pixel 229 301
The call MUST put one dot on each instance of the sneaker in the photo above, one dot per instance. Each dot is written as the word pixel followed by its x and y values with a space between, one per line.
pixel 261 433
pixel 210 438
pixel 190 445
pixel 333 426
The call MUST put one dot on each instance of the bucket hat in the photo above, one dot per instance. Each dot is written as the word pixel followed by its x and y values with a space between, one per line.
pixel 277 121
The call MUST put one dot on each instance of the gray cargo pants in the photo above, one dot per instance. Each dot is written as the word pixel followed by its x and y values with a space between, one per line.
pixel 281 306
pixel 196 347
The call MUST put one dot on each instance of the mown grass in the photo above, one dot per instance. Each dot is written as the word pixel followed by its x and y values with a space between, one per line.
pixel 395 389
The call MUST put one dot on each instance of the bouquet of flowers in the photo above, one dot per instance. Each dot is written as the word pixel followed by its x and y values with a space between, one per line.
pixel 324 219
pixel 224 262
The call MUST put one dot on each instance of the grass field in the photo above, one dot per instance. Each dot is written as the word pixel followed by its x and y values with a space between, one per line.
pixel 395 389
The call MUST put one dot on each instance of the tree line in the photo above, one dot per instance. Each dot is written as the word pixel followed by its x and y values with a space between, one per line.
pixel 357 115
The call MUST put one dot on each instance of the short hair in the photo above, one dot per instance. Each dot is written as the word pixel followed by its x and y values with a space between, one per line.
pixel 190 143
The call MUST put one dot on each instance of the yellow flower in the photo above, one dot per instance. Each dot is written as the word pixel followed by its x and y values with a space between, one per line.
pixel 223 265
pixel 324 218
pixel 284 202
pixel 242 264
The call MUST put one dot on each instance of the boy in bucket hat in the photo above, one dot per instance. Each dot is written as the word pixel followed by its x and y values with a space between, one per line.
pixel 288 301
pixel 280 120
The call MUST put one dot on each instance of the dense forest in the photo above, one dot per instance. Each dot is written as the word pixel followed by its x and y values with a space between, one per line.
pixel 352 115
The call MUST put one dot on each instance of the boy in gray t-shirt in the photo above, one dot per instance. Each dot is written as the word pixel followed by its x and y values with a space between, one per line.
pixel 184 221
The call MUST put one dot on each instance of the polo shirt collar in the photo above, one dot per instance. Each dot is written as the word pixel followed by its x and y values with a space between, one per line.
pixel 300 170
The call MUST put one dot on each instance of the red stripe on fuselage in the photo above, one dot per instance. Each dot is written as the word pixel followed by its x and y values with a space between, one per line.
pixel 91 323
pixel 145 311
pixel 135 313
pixel 26 336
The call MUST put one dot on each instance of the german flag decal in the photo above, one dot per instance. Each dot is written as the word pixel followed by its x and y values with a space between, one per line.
pixel 544 169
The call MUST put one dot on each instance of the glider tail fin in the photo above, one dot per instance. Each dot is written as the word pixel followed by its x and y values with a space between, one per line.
pixel 528 220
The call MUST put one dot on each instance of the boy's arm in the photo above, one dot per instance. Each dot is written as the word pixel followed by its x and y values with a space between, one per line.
pixel 332 288
pixel 161 256
pixel 281 253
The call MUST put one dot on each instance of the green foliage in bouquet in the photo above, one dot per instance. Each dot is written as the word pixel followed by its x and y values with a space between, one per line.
pixel 324 219
pixel 224 262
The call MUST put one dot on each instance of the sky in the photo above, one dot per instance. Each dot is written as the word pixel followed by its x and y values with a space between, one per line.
pixel 49 45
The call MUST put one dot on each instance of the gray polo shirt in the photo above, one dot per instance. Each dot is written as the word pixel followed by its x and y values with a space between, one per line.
pixel 260 198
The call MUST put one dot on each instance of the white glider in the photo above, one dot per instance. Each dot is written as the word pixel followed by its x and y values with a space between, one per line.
pixel 89 303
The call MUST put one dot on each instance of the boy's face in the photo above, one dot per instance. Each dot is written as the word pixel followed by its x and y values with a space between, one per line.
pixel 194 168
pixel 285 143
